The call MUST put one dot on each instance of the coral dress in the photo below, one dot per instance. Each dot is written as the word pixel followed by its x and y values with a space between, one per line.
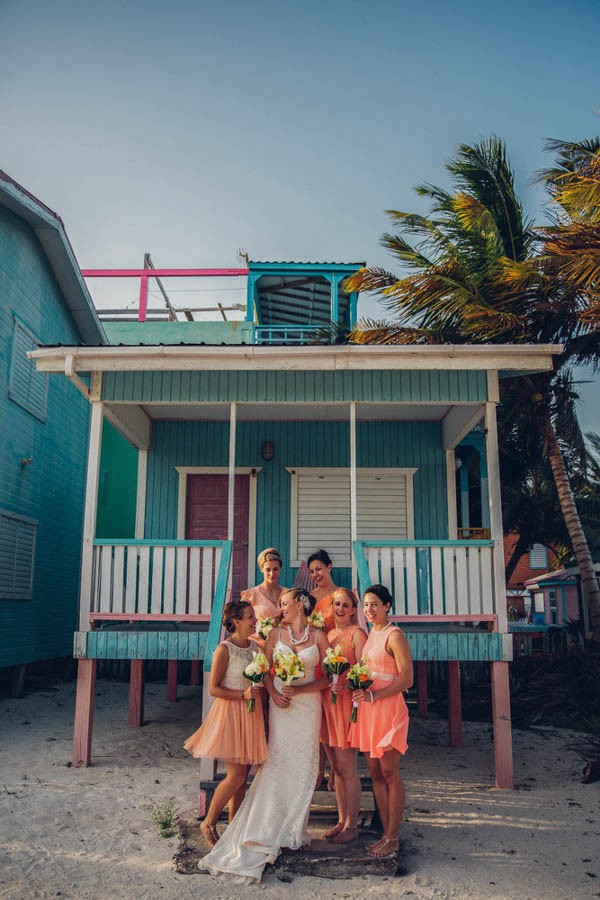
pixel 325 607
pixel 229 731
pixel 382 725
pixel 336 716
pixel 263 607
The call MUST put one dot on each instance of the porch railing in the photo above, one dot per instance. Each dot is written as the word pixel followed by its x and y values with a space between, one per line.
pixel 431 579
pixel 287 334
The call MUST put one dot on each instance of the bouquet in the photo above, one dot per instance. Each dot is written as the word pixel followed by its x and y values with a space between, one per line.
pixel 359 679
pixel 265 627
pixel 256 671
pixel 316 619
pixel 288 666
pixel 334 664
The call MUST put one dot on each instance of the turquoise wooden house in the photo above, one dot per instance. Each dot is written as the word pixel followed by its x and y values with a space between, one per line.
pixel 270 438
pixel 43 433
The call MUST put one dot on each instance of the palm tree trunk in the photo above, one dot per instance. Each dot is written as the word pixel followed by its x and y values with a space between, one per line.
pixel 589 581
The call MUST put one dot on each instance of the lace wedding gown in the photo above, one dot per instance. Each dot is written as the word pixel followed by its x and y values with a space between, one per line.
pixel 275 811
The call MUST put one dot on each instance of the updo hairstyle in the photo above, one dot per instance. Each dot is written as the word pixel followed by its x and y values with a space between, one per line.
pixel 300 595
pixel 320 556
pixel 233 612
pixel 271 554
pixel 382 592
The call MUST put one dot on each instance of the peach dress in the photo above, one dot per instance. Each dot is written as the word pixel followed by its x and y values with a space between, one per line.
pixel 337 715
pixel 229 731
pixel 263 607
pixel 382 725
pixel 325 607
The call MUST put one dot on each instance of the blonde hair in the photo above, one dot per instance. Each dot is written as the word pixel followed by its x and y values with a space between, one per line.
pixel 271 554
pixel 350 595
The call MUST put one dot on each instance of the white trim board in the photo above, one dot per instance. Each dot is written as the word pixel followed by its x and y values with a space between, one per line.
pixel 252 471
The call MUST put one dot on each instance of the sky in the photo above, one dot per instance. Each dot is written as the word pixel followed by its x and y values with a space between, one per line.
pixel 191 129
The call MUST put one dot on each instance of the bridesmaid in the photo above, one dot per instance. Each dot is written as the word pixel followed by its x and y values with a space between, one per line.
pixel 352 639
pixel 382 725
pixel 265 596
pixel 319 567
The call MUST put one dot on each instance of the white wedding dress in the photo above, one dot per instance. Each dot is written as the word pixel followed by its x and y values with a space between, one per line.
pixel 275 811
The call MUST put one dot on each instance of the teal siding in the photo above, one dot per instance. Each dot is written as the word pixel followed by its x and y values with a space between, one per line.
pixel 476 646
pixel 382 444
pixel 274 386
pixel 51 488
pixel 117 486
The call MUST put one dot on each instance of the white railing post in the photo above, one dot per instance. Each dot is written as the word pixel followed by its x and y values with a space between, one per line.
pixel 89 516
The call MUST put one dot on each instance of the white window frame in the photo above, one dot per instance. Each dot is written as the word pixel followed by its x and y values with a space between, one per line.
pixel 22 593
pixel 295 471
pixel 536 549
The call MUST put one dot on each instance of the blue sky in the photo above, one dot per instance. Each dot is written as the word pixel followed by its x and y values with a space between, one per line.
pixel 190 129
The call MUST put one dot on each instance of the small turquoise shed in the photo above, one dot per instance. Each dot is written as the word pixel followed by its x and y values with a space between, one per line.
pixel 291 439
pixel 43 433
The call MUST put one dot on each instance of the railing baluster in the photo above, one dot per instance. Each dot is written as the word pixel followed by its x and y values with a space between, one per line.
pixel 181 555
pixel 475 598
pixel 118 578
pixel 169 583
pixel 131 583
pixel 144 580
pixel 194 592
pixel 437 582
pixel 207 580
pixel 157 580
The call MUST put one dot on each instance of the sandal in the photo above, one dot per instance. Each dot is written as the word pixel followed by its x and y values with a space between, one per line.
pixel 209 833
pixel 388 849
pixel 370 848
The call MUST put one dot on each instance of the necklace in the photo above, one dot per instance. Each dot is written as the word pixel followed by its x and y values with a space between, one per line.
pixel 300 640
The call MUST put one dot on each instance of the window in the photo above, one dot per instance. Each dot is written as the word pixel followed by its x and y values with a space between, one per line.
pixel 26 386
pixel 320 510
pixel 17 552
pixel 538 557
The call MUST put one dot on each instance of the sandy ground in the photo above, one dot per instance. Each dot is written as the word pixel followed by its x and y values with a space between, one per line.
pixel 87 833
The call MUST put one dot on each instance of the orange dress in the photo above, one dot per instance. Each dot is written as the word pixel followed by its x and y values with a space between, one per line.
pixel 382 725
pixel 336 715
pixel 325 607
pixel 229 731
pixel 263 607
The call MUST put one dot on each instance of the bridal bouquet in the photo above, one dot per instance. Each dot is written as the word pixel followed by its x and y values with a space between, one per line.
pixel 334 664
pixel 288 666
pixel 359 679
pixel 265 627
pixel 316 619
pixel 256 671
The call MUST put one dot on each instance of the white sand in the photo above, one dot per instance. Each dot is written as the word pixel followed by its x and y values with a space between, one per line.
pixel 87 832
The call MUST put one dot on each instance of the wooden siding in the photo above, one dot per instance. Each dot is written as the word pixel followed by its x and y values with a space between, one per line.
pixel 470 645
pixel 274 386
pixel 50 489
pixel 301 444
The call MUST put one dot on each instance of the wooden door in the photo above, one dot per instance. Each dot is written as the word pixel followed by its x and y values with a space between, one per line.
pixel 206 518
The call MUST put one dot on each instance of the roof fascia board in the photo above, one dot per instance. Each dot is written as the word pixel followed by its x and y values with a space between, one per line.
pixel 319 358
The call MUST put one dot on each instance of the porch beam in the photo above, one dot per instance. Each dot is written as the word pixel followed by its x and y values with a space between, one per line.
pixel 495 501
pixel 458 422
pixel 89 518
pixel 231 484
pixel 132 422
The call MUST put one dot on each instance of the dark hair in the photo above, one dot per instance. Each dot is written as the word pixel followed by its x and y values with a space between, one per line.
pixel 382 592
pixel 308 601
pixel 319 556
pixel 233 612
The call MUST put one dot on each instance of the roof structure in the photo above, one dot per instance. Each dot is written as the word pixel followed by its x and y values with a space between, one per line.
pixel 50 231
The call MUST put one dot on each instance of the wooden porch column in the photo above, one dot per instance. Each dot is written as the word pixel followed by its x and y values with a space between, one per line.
pixel 84 712
pixel 231 493
pixel 136 692
pixel 195 672
pixel 422 698
pixel 140 501
pixel 491 444
pixel 172 681
pixel 455 737
pixel 89 517
pixel 503 753
pixel 353 522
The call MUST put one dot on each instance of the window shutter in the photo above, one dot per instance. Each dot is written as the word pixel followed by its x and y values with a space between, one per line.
pixel 382 511
pixel 538 557
pixel 17 550
pixel 27 386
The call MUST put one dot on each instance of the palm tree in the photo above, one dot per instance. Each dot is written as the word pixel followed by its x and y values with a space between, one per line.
pixel 479 272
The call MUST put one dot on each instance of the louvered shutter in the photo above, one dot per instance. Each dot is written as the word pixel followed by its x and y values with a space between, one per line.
pixel 538 557
pixel 17 551
pixel 381 507
pixel 27 386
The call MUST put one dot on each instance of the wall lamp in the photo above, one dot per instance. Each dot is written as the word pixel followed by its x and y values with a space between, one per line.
pixel 267 451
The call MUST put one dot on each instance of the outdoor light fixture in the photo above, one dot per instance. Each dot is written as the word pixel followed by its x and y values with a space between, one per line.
pixel 267 451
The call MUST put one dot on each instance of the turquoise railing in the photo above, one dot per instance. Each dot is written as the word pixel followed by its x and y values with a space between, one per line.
pixel 287 334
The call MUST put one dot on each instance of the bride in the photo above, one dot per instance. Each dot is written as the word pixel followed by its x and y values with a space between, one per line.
pixel 275 811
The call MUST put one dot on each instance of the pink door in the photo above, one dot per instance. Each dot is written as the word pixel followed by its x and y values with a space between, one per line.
pixel 206 518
